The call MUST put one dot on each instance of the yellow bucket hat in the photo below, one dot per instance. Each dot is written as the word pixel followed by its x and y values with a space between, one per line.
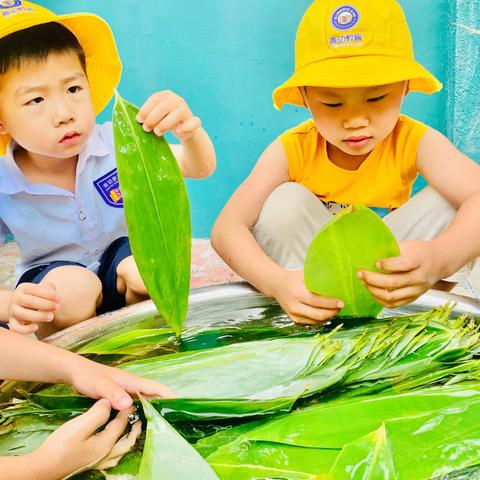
pixel 359 44
pixel 94 35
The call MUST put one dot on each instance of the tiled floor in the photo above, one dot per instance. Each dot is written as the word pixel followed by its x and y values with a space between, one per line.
pixel 207 267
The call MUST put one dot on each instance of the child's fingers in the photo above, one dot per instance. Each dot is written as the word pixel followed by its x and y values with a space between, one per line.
pixel 116 395
pixel 123 446
pixel 34 302
pixel 43 290
pixel 151 389
pixel 158 113
pixel 397 264
pixel 322 302
pixel 114 430
pixel 23 329
pixel 188 126
pixel 317 314
pixel 133 385
pixel 85 425
pixel 149 105
pixel 171 120
pixel 300 320
pixel 388 281
pixel 31 316
pixel 395 298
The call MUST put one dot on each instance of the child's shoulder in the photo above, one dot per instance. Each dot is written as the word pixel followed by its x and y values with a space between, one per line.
pixel 405 121
pixel 305 128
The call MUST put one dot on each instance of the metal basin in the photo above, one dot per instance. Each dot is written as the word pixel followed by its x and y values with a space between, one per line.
pixel 225 304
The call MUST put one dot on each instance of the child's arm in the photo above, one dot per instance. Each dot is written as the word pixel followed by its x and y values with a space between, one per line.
pixel 232 239
pixel 22 358
pixel 165 111
pixel 423 263
pixel 75 446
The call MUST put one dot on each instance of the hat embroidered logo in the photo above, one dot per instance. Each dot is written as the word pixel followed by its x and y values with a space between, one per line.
pixel 345 17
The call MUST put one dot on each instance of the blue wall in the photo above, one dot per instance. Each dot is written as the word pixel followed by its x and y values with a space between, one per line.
pixel 225 57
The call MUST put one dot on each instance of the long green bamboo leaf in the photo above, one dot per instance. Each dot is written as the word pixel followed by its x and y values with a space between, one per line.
pixel 167 455
pixel 157 212
pixel 213 383
pixel 354 239
pixel 134 342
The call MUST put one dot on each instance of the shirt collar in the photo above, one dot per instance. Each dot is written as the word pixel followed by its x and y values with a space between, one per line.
pixel 95 147
pixel 12 179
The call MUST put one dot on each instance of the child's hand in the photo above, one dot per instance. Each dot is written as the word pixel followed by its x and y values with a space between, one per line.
pixel 165 111
pixel 99 381
pixel 76 445
pixel 301 305
pixel 32 304
pixel 408 276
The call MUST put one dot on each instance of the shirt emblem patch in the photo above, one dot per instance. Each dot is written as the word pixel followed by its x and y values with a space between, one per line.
pixel 109 189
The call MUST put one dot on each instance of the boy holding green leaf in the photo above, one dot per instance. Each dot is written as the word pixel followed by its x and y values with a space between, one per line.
pixel 354 67
pixel 59 189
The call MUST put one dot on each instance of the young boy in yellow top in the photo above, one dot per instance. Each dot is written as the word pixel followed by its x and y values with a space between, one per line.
pixel 59 192
pixel 354 66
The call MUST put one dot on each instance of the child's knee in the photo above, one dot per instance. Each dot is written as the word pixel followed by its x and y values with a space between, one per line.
pixel 129 278
pixel 285 209
pixel 81 292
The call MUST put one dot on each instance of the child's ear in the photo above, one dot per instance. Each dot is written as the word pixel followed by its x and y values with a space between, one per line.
pixel 3 130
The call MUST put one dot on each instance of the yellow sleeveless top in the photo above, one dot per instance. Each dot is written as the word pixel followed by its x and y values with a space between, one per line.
pixel 383 180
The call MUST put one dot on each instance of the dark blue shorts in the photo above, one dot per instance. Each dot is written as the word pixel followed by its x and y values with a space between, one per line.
pixel 107 273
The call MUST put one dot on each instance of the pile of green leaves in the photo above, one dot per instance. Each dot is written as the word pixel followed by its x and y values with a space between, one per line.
pixel 394 398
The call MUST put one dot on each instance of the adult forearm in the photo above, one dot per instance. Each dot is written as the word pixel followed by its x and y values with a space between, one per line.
pixel 197 156
pixel 5 296
pixel 23 358
pixel 239 249
pixel 460 242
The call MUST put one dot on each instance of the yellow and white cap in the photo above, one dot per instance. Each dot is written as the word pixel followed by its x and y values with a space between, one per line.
pixel 356 44
pixel 94 35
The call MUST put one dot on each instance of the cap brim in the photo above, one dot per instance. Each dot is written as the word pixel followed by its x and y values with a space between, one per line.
pixel 359 71
pixel 103 62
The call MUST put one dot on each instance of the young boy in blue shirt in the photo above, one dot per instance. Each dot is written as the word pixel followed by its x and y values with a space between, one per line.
pixel 58 171
pixel 354 66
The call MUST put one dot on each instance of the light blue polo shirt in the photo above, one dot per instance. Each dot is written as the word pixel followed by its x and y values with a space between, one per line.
pixel 49 223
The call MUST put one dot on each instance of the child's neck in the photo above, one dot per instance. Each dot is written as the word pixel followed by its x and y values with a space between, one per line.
pixel 345 160
pixel 60 172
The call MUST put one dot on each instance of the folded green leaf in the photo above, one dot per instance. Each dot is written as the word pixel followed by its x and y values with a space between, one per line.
pixel 157 212
pixel 167 455
pixel 368 458
pixel 354 239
